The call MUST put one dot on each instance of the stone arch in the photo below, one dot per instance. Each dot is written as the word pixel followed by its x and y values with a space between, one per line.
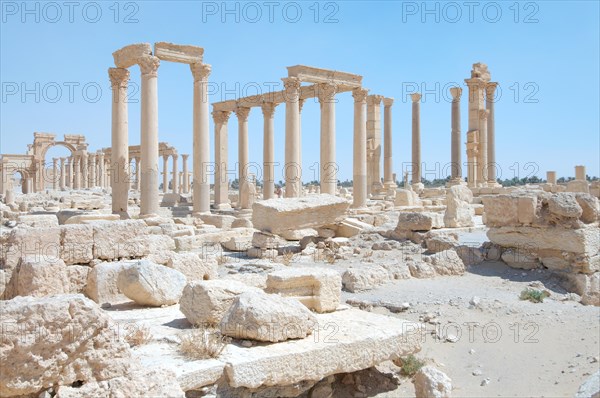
pixel 64 144
pixel 26 180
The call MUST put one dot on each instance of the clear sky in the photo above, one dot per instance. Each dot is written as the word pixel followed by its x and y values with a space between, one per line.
pixel 545 56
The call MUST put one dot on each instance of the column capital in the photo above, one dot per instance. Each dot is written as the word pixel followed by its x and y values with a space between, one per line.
pixel 118 77
pixel 149 65
pixel 185 156
pixel 416 97
pixel 200 71
pixel 475 82
pixel 326 92
pixel 374 99
pixel 291 88
pixel 175 156
pixel 456 92
pixel 101 155
pixel 166 158
pixel 221 117
pixel 388 101
pixel 268 109
pixel 483 114
pixel 360 94
pixel 242 113
pixel 490 89
pixel 54 160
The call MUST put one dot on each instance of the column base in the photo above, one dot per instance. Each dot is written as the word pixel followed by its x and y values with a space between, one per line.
pixel 122 214
pixel 222 206
pixel 455 181
pixel 418 187
pixel 494 184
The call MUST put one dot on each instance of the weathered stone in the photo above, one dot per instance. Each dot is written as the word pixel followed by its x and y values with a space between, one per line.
pixel 131 54
pixel 120 239
pixel 278 215
pixel 38 277
pixel 218 220
pixel 520 259
pixel 265 240
pixel 437 242
pixel 77 276
pixel 432 383
pixel 178 53
pixel 150 284
pixel 414 221
pixel 578 186
pixel 260 316
pixel 193 267
pixel 298 234
pixel 364 277
pixel 590 388
pixel 239 243
pixel 564 205
pixel 351 227
pixel 405 197
pixel 160 248
pixel 242 223
pixel 92 218
pixel 317 288
pixel 38 220
pixel 101 283
pixel 459 212
pixel 77 244
pixel 22 241
pixel 209 239
pixel 205 302
pixel 589 206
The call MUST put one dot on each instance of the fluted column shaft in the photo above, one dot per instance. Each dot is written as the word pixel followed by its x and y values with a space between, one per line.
pixel 328 169
pixel 482 170
pixel 165 173
pixel 185 179
pixel 101 170
pixel 120 140
pixel 221 178
pixel 456 162
pixel 201 144
pixel 175 174
pixel 62 174
pixel 70 173
pixel 490 90
pixel 268 109
pixel 388 161
pixel 416 138
pixel 92 166
pixel 77 173
pixel 293 172
pixel 359 183
pixel 54 173
pixel 242 115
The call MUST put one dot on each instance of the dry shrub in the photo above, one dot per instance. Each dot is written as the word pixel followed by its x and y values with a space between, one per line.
pixel 203 343
pixel 138 335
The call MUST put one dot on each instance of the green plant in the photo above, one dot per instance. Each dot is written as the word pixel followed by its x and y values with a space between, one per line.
pixel 409 365
pixel 533 295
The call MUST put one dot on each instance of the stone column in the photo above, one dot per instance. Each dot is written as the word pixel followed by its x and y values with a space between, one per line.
pixel 92 166
pixel 77 173
pixel 221 179
pixel 456 158
pixel 101 170
pixel 482 170
pixel 185 179
pixel 120 141
pixel 85 172
pixel 359 183
pixel 416 139
pixel 201 154
pixel 292 170
pixel 268 109
pixel 136 185
pixel 62 174
pixel 388 161
pixel 328 167
pixel 70 182
pixel 242 115
pixel 580 173
pixel 175 174
pixel 476 83
pixel 165 173
pixel 149 135
pixel 55 173
pixel 551 177
pixel 374 140
pixel 490 93
pixel 472 156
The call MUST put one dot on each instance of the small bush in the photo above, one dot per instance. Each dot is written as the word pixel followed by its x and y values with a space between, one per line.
pixel 203 343
pixel 287 257
pixel 533 295
pixel 409 365
pixel 138 335
pixel 222 259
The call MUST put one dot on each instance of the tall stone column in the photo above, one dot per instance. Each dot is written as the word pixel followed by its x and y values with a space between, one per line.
pixel 388 161
pixel 416 140
pixel 120 141
pixel 138 165
pixel 175 174
pixel 242 115
pixel 165 173
pixel 374 143
pixel 482 169
pixel 149 139
pixel 551 177
pixel 54 174
pixel 472 157
pixel 268 110
pixel 101 170
pixel 62 174
pixel 221 178
pixel 92 166
pixel 490 93
pixel 77 173
pixel 292 169
pixel 201 154
pixel 456 162
pixel 85 176
pixel 480 76
pixel 70 171
pixel 359 183
pixel 328 168
pixel 580 173
pixel 300 106
pixel 185 179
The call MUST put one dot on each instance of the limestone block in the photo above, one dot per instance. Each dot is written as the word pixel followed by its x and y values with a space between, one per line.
pixel 446 262
pixel 22 241
pixel 505 210
pixel 160 248
pixel 298 234
pixel 77 244
pixel 432 383
pixel 578 186
pixel 265 240
pixel 478 208
pixel 415 221
pixel 470 255
pixel 587 286
pixel 590 207
pixel 564 205
pixel 205 302
pixel 520 259
pixel 77 276
pixel 91 218
pixel 256 315
pixel 317 288
pixel 440 241
pixel 193 267
pixel 82 346
pixel 37 277
pixel 278 215
pixel 178 53
pixel 120 239
pixel 38 220
pixel 351 227
pixel 101 285
pixel 459 212
pixel 151 284
pixel 130 55
pixel 242 223
pixel 364 277
pixel 421 270
pixel 590 388
pixel 241 242
pixel 218 220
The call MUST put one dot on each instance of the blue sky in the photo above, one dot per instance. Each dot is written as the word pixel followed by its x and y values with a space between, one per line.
pixel 545 55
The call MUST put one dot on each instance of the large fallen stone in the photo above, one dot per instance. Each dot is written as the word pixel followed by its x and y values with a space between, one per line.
pixel 364 277
pixel 406 197
pixel 150 284
pixel 278 215
pixel 432 383
pixel 193 267
pixel 37 277
pixel 265 240
pixel 419 221
pixel 205 302
pixel 38 220
pixel 446 262
pixel 267 317
pixel 459 212
pixel 77 277
pixel 564 205
pixel 23 241
pixel 77 244
pixel 209 239
pixel 317 288
pixel 101 283
pixel 120 240
pixel 590 207
pixel 513 209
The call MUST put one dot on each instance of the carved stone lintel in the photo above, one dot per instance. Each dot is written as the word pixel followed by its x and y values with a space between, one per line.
pixel 360 94
pixel 242 113
pixel 118 77
pixel 221 117
pixel 268 109
pixel 200 71
pixel 149 65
